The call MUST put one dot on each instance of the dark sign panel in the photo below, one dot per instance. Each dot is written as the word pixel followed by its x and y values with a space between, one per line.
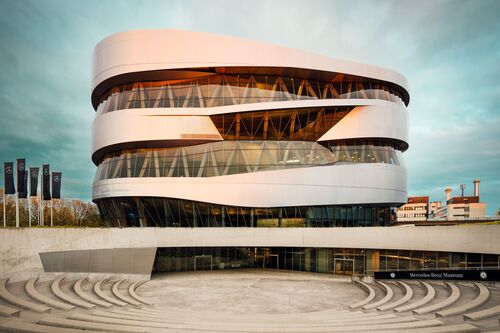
pixel 56 185
pixel 473 275
pixel 46 182
pixel 21 170
pixel 8 180
pixel 33 181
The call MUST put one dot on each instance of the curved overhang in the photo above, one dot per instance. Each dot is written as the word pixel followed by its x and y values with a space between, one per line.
pixel 324 185
pixel 172 127
pixel 170 54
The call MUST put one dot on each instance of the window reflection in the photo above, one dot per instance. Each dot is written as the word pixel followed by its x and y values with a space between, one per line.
pixel 164 212
pixel 235 157
pixel 321 260
pixel 224 89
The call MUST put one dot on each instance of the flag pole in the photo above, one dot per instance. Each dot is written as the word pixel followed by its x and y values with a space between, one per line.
pixel 17 209
pixel 4 209
pixel 51 221
pixel 29 202
pixel 41 200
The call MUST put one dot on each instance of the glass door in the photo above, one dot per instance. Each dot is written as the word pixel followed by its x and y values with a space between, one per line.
pixel 203 263
pixel 270 261
pixel 343 266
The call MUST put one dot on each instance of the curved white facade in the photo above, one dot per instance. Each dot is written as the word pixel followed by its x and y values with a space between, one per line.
pixel 243 126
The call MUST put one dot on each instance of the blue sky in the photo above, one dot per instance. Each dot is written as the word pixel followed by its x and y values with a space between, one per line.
pixel 448 50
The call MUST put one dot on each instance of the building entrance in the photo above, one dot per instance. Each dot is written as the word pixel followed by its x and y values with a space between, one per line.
pixel 271 261
pixel 203 263
pixel 343 266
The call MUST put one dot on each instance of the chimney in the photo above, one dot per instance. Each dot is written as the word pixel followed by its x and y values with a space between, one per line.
pixel 448 194
pixel 476 187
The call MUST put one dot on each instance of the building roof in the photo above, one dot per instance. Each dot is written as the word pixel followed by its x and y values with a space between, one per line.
pixel 463 200
pixel 413 200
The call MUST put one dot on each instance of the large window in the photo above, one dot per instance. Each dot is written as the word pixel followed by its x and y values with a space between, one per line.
pixel 223 89
pixel 234 157
pixel 321 260
pixel 163 212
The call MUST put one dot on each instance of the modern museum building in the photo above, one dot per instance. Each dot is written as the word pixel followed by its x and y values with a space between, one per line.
pixel 227 153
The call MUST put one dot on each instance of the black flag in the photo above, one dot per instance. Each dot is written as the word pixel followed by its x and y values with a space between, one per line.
pixel 34 181
pixel 56 185
pixel 8 178
pixel 21 178
pixel 24 194
pixel 46 182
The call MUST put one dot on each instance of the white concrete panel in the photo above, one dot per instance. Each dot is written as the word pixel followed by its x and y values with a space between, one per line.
pixel 120 127
pixel 324 185
pixel 146 50
pixel 372 121
pixel 24 245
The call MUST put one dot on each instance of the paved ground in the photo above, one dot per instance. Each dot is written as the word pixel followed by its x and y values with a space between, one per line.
pixel 252 291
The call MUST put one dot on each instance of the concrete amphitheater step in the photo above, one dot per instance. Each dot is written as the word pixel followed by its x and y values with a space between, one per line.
pixel 483 314
pixel 85 325
pixel 56 289
pixel 31 290
pixel 407 296
pixel 389 293
pixel 368 299
pixel 454 296
pixel 99 292
pixel 253 324
pixel 19 302
pixel 286 317
pixel 133 294
pixel 334 327
pixel 116 291
pixel 431 293
pixel 7 311
pixel 482 297
pixel 459 328
pixel 77 287
pixel 20 326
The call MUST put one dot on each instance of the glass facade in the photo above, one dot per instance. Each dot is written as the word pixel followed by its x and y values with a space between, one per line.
pixel 321 260
pixel 165 212
pixel 303 124
pixel 235 157
pixel 224 89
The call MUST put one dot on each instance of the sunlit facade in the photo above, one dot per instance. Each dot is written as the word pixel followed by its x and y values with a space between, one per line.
pixel 225 137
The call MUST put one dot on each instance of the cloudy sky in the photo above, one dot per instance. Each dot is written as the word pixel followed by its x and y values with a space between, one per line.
pixel 448 50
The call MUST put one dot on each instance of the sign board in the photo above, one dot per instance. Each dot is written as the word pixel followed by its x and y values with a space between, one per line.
pixel 472 275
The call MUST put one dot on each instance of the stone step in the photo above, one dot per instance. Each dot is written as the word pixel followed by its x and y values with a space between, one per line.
pixel 56 289
pixel 7 311
pixel 35 294
pixel 389 293
pixel 133 294
pixel 116 291
pixel 454 296
pixel 368 299
pixel 85 325
pixel 19 302
pixel 98 291
pixel 482 297
pixel 407 296
pixel 77 287
pixel 431 294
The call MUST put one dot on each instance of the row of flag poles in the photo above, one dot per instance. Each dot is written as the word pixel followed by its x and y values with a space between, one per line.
pixel 50 188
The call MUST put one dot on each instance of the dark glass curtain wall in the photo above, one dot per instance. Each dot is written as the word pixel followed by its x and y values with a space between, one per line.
pixel 164 212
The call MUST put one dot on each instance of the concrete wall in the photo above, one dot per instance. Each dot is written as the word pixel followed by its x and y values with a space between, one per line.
pixel 20 249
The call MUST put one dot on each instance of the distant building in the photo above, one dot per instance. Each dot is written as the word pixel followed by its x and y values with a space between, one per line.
pixel 461 208
pixel 435 205
pixel 416 210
